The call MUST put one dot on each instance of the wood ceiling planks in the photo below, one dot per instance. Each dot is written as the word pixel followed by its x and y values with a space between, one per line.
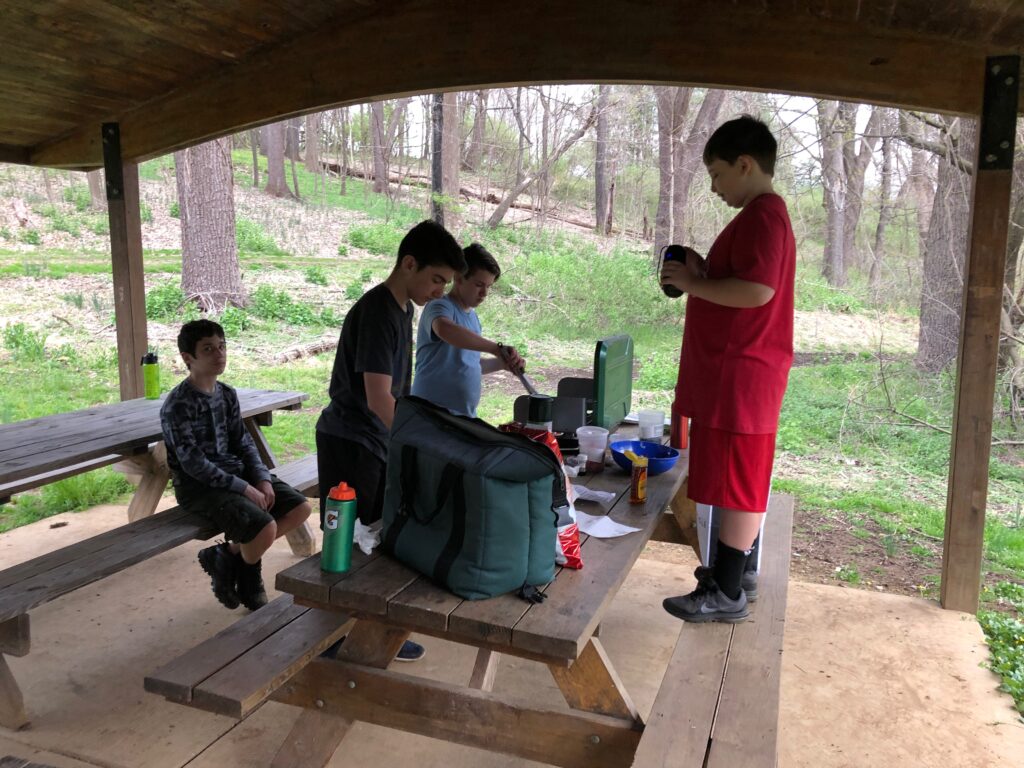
pixel 178 73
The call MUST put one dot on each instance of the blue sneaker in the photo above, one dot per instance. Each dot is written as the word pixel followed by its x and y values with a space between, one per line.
pixel 411 651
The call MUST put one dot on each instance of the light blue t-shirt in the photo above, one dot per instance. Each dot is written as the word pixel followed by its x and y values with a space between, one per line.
pixel 446 375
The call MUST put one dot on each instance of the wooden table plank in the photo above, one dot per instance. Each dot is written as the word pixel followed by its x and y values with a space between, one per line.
pixel 369 589
pixel 177 679
pixel 308 582
pixel 238 689
pixel 577 599
pixel 133 548
pixel 423 604
pixel 93 545
pixel 679 726
pixel 47 443
pixel 495 722
pixel 746 726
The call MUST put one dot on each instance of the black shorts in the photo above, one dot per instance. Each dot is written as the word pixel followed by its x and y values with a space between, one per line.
pixel 240 519
pixel 340 460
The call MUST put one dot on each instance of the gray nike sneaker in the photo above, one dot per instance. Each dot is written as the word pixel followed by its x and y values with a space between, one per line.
pixel 749 584
pixel 707 603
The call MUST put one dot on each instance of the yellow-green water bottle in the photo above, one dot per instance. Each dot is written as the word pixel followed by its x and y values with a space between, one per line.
pixel 339 523
pixel 151 376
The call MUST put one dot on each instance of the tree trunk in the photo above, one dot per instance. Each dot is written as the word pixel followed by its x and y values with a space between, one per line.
pixel 312 159
pixel 210 273
pixel 855 162
pixel 344 150
pixel 673 104
pixel 688 158
pixel 885 213
pixel 437 158
pixel 380 170
pixel 97 192
pixel 254 144
pixel 273 136
pixel 293 127
pixel 601 208
pixel 833 264
pixel 475 149
pixel 451 156
pixel 942 275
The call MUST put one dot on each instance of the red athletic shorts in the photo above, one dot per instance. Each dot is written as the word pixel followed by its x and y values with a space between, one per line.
pixel 730 470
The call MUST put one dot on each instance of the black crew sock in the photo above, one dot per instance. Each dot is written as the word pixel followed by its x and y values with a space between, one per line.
pixel 752 557
pixel 728 570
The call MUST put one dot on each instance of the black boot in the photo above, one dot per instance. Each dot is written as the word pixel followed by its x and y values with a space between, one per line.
pixel 220 564
pixel 250 585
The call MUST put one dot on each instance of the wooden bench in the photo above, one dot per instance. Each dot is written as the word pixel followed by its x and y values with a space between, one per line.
pixel 39 580
pixel 719 702
pixel 240 667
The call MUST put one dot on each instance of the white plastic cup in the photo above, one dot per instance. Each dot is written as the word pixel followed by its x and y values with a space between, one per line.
pixel 593 441
pixel 652 424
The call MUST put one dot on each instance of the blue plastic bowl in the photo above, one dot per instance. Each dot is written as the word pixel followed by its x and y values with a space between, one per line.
pixel 660 458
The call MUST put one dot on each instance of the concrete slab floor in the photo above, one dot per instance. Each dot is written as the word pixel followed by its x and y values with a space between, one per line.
pixel 868 679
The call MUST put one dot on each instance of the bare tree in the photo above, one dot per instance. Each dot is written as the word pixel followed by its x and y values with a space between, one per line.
pixel 254 144
pixel 885 202
pixel 273 141
pixel 830 135
pixel 97 193
pixel 312 159
pixel 856 157
pixel 678 160
pixel 601 181
pixel 475 146
pixel 210 273
pixel 382 137
pixel 942 275
pixel 583 123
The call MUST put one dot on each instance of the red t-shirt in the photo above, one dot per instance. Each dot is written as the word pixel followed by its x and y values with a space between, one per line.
pixel 734 363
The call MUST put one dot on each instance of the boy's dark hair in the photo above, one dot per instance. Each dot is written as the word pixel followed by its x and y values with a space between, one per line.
pixel 432 246
pixel 191 332
pixel 478 257
pixel 745 135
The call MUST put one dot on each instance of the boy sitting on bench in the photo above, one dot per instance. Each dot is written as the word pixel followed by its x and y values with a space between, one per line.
pixel 217 471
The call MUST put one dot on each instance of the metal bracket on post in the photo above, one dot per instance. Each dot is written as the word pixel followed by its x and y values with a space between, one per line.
pixel 999 113
pixel 113 170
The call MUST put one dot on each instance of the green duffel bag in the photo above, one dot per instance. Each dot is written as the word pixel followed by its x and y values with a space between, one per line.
pixel 472 508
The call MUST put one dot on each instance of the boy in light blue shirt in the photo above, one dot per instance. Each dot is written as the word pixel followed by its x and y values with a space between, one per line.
pixel 449 341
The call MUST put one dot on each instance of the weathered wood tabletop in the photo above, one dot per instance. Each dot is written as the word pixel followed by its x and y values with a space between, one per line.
pixel 39 451
pixel 36 446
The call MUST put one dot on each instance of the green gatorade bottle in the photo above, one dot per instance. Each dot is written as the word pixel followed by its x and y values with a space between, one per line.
pixel 151 376
pixel 339 523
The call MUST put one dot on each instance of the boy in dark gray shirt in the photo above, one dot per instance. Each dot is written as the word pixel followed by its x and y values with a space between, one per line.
pixel 218 473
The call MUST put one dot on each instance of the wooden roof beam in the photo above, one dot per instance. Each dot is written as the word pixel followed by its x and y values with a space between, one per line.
pixel 428 46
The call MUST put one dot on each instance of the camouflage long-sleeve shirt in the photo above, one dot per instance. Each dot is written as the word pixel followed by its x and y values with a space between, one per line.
pixel 207 445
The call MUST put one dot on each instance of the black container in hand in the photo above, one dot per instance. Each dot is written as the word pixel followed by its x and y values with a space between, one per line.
pixel 672 253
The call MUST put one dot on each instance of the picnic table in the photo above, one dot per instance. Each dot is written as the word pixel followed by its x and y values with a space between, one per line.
pixel 702 715
pixel 39 451
pixel 388 601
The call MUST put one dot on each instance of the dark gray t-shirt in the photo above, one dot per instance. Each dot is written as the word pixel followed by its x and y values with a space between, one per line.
pixel 376 337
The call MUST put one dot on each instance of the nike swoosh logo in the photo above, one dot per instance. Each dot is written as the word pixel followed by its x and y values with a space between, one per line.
pixel 705 608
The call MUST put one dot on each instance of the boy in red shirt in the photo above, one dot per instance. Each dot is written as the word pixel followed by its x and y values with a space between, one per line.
pixel 735 360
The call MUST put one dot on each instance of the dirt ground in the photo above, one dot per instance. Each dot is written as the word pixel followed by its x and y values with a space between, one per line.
pixel 868 679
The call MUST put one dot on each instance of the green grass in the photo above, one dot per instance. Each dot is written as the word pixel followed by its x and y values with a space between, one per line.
pixel 104 486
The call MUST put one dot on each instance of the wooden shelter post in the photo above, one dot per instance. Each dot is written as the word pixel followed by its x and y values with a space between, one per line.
pixel 126 254
pixel 979 338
